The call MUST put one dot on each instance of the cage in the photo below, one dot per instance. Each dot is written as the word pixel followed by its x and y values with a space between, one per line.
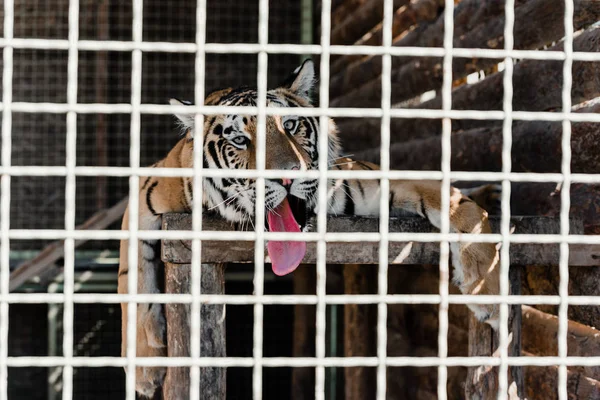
pixel 499 94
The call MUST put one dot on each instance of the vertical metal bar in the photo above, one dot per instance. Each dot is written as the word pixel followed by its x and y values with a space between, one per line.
pixel 259 252
pixel 565 202
pixel 196 267
pixel 509 12
pixel 321 317
pixel 7 76
pixel 134 161
pixel 445 197
pixel 71 160
pixel 382 276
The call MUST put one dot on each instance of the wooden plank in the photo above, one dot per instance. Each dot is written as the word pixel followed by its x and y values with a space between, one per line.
pixel 540 337
pixel 212 379
pixel 477 25
pixel 412 253
pixel 55 250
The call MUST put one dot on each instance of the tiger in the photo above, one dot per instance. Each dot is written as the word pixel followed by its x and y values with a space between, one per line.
pixel 229 142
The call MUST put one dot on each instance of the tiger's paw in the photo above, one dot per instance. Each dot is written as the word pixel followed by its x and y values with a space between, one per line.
pixel 149 379
pixel 155 326
pixel 488 197
pixel 488 314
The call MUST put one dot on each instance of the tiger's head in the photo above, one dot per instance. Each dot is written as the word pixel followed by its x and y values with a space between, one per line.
pixel 291 144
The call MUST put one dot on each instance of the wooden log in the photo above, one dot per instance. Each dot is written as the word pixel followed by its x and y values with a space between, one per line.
pixel 212 336
pixel 360 331
pixel 536 148
pixel 477 25
pixel 406 16
pixel 540 337
pixel 340 12
pixel 536 84
pixel 482 381
pixel 542 384
pixel 360 21
pixel 411 253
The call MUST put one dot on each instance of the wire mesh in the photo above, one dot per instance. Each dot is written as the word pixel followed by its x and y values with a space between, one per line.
pixel 55 70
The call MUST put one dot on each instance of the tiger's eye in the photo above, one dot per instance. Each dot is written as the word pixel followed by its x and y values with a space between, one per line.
pixel 289 125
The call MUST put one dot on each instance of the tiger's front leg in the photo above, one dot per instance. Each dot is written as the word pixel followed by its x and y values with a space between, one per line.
pixel 476 265
pixel 151 324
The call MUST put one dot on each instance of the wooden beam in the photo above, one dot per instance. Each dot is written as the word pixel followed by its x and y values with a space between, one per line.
pixel 55 250
pixel 212 335
pixel 477 25
pixel 412 253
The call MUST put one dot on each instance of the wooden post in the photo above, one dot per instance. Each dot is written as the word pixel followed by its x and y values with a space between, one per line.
pixel 303 379
pixel 482 381
pixel 212 379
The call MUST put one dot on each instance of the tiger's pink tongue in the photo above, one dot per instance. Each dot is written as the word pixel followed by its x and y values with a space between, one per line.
pixel 285 256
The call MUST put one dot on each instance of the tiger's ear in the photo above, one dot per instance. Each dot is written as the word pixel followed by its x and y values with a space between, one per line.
pixel 302 80
pixel 214 97
pixel 186 120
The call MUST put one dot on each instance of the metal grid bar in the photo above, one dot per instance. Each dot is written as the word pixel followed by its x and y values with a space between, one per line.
pixel 197 195
pixel 271 173
pixel 87 298
pixel 158 109
pixel 259 246
pixel 7 76
pixel 252 48
pixel 384 164
pixel 445 198
pixel 565 201
pixel 322 200
pixel 299 362
pixel 49 234
pixel 134 162
pixel 509 20
pixel 69 244
pixel 382 299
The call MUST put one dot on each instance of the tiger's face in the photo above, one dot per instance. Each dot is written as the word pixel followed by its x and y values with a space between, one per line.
pixel 291 144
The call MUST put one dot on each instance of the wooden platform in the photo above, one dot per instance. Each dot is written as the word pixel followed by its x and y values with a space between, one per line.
pixel 409 253
pixel 480 383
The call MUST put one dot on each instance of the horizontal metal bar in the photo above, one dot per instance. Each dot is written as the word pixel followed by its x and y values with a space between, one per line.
pixel 57 234
pixel 167 298
pixel 289 48
pixel 312 174
pixel 274 362
pixel 164 109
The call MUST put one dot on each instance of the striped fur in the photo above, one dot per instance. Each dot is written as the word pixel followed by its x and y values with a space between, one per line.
pixel 291 143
